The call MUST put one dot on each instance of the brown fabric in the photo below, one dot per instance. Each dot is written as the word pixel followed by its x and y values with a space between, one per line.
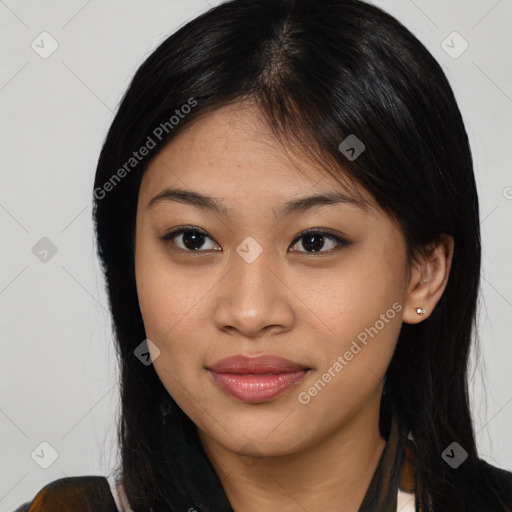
pixel 73 494
pixel 408 474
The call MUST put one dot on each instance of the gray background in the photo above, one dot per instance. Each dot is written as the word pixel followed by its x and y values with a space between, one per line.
pixel 58 370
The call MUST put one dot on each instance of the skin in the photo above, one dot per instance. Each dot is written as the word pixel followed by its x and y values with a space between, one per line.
pixel 199 307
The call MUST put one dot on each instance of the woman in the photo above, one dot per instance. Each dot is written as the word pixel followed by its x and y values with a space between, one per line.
pixel 288 224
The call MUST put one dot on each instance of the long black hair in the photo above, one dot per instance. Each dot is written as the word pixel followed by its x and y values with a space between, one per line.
pixel 320 70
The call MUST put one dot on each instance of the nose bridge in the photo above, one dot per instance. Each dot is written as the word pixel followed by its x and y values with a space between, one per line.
pixel 252 297
pixel 251 275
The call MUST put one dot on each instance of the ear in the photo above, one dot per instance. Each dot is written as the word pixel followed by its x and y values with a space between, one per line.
pixel 428 279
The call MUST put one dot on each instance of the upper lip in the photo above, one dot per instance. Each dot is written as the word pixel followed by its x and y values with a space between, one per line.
pixel 256 364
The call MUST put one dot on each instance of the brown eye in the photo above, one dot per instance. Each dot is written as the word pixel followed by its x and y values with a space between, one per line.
pixel 316 240
pixel 192 239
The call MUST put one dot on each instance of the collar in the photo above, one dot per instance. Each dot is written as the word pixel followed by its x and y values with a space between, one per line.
pixel 396 470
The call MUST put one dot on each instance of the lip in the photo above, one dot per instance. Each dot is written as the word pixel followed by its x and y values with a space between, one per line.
pixel 256 379
pixel 256 364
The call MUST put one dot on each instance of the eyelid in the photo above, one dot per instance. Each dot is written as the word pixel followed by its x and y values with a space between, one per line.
pixel 341 240
pixel 179 230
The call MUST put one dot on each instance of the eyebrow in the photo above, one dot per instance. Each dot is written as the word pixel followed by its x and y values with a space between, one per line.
pixel 213 204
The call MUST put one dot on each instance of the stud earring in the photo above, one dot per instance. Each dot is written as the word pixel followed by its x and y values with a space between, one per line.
pixel 420 311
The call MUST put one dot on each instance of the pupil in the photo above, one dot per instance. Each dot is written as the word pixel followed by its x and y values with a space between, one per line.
pixel 190 238
pixel 310 244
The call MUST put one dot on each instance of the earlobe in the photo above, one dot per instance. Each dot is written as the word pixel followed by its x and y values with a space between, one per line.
pixel 414 315
pixel 428 280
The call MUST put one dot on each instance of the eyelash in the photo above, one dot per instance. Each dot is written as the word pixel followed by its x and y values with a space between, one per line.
pixel 342 242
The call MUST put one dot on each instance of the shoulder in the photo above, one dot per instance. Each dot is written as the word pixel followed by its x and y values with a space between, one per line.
pixel 487 488
pixel 78 493
pixel 501 480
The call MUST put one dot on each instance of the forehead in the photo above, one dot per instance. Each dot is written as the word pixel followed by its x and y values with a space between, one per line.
pixel 231 152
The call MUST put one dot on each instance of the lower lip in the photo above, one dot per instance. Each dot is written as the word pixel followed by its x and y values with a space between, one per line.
pixel 257 388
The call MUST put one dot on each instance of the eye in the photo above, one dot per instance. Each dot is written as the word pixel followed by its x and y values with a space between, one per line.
pixel 315 239
pixel 193 240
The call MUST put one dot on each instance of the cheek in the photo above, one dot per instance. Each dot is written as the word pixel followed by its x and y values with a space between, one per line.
pixel 167 293
pixel 165 303
pixel 353 366
pixel 345 300
pixel 360 313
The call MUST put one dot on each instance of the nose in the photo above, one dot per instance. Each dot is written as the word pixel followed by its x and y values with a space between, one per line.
pixel 253 299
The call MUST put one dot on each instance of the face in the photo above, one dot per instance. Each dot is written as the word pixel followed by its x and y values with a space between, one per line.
pixel 244 279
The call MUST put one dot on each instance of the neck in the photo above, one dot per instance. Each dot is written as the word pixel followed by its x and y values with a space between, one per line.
pixel 332 474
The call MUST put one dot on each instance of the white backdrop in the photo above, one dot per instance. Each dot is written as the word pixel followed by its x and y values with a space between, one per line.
pixel 58 94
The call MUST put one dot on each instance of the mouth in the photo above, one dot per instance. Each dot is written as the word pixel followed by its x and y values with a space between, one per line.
pixel 256 379
pixel 257 388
